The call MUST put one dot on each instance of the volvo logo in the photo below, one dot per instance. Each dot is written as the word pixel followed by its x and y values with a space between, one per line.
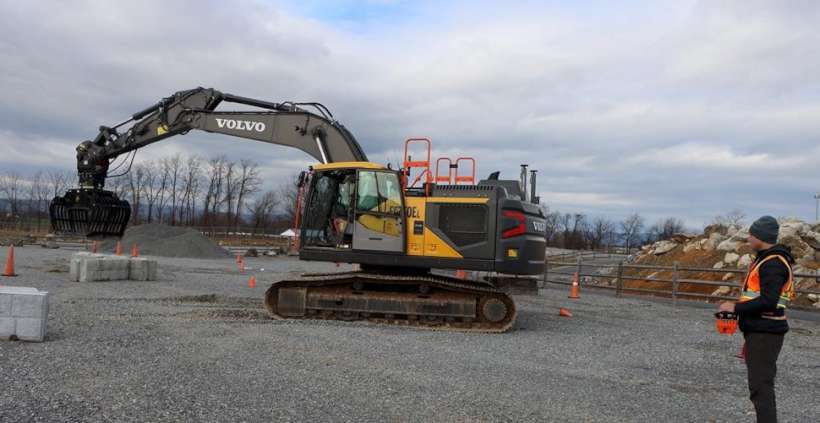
pixel 242 125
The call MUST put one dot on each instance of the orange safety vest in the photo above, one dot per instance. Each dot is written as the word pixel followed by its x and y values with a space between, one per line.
pixel 751 286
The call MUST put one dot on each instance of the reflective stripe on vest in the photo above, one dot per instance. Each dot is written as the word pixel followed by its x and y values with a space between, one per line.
pixel 751 286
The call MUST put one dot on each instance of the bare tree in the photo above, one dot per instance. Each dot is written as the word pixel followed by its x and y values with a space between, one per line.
pixel 174 165
pixel 162 189
pixel 57 182
pixel 631 230
pixel 734 217
pixel 150 188
pixel 190 188
pixel 38 197
pixel 11 186
pixel 136 182
pixel 214 192
pixel 263 208
pixel 552 225
pixel 288 192
pixel 665 229
pixel 601 233
pixel 248 183
pixel 231 185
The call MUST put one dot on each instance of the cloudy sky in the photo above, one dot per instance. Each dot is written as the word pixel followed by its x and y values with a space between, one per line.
pixel 679 108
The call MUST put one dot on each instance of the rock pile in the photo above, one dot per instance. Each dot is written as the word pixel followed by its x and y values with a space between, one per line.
pixel 167 241
pixel 722 247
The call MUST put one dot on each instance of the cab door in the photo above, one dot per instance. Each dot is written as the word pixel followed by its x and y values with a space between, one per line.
pixel 379 217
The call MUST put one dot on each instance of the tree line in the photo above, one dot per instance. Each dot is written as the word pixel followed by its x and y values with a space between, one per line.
pixel 176 190
pixel 577 231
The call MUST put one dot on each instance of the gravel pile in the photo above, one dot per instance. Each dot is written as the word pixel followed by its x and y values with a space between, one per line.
pixel 194 347
pixel 167 241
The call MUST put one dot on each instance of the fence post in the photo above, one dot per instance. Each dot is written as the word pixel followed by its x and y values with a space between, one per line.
pixel 619 283
pixel 675 285
pixel 578 269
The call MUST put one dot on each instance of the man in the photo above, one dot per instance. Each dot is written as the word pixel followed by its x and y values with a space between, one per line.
pixel 762 313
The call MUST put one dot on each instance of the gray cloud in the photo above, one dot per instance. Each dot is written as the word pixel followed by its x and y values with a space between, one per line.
pixel 678 109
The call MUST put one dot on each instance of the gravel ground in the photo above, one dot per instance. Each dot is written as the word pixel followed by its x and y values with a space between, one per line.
pixel 197 346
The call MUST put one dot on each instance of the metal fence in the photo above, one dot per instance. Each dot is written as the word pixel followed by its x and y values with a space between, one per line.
pixel 556 267
pixel 236 231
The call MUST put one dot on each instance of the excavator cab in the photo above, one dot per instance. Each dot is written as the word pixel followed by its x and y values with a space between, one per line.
pixel 353 206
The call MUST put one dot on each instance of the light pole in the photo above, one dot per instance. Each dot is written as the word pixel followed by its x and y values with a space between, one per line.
pixel 817 208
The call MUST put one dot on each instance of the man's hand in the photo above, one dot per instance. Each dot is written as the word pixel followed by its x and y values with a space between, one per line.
pixel 727 306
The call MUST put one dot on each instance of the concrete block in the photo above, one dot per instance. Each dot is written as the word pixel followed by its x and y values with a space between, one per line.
pixel 5 305
pixel 7 326
pixel 87 267
pixel 142 269
pixel 29 305
pixel 23 313
pixel 97 267
pixel 31 329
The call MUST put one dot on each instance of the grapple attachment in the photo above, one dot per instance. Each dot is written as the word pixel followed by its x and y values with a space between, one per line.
pixel 89 212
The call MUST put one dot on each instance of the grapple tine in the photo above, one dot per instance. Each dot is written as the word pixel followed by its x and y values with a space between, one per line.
pixel 89 212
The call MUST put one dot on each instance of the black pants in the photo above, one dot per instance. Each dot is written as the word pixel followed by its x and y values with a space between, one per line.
pixel 762 350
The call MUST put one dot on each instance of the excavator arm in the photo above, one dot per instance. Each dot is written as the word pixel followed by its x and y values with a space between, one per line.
pixel 90 210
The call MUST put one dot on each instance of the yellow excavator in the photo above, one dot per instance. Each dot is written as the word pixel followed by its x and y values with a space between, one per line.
pixel 405 228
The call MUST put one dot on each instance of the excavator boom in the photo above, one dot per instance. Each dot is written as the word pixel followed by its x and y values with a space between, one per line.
pixel 92 211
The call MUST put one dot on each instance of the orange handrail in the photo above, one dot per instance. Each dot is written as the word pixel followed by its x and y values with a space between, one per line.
pixel 468 179
pixel 449 178
pixel 423 164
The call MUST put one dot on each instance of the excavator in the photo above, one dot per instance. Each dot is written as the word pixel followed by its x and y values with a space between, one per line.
pixel 407 229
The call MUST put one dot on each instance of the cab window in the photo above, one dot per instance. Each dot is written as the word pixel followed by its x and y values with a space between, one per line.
pixel 378 192
pixel 389 193
pixel 368 192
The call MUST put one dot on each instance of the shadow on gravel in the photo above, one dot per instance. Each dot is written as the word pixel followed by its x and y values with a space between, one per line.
pixel 224 314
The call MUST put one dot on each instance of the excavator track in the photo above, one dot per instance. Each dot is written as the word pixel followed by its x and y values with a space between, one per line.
pixel 423 301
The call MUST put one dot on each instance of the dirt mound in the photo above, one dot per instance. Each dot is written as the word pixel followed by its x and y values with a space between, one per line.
pixel 167 241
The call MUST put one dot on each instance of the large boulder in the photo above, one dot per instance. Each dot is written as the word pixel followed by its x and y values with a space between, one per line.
pixel 728 245
pixel 664 247
pixel 731 258
pixel 693 245
pixel 711 243
pixel 744 261
pixel 722 291
pixel 791 227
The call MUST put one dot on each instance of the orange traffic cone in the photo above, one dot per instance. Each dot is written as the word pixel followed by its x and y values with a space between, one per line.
pixel 94 247
pixel 564 312
pixel 10 263
pixel 135 252
pixel 252 282
pixel 118 249
pixel 461 274
pixel 574 291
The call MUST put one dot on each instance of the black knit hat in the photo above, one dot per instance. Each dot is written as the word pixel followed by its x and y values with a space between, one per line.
pixel 765 229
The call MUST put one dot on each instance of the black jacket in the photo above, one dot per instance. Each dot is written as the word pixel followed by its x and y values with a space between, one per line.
pixel 773 275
